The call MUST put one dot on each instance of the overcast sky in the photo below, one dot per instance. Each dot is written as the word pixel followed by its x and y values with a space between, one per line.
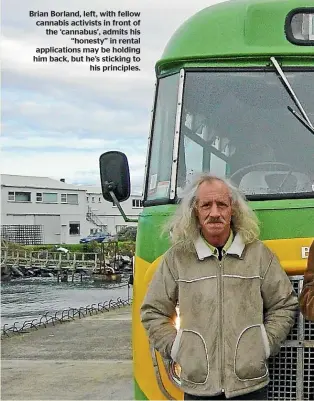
pixel 57 119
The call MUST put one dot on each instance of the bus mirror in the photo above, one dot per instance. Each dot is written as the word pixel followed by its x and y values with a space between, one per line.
pixel 114 176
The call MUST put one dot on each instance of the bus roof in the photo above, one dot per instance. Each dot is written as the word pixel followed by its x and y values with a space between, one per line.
pixel 234 28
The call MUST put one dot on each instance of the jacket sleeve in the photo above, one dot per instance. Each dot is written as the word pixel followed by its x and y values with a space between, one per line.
pixel 307 295
pixel 280 304
pixel 158 309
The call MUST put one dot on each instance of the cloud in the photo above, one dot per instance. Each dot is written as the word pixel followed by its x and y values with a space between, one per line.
pixel 51 115
pixel 85 171
pixel 58 118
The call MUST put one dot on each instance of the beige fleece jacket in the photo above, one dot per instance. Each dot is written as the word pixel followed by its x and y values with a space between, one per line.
pixel 234 314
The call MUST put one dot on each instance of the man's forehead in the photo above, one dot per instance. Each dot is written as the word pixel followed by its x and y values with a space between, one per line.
pixel 214 196
pixel 214 187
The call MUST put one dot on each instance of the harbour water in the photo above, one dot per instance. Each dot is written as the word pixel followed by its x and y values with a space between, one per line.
pixel 27 299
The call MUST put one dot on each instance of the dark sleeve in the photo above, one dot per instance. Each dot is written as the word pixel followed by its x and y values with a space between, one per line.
pixel 307 295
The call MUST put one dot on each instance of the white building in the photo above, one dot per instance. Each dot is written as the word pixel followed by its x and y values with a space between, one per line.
pixel 56 212
pixel 109 214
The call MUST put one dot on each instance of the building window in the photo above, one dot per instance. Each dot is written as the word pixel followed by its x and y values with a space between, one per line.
pixel 119 228
pixel 99 200
pixel 93 199
pixel 87 198
pixel 74 228
pixel 50 197
pixel 47 197
pixel 137 203
pixel 71 199
pixel 103 229
pixel 19 196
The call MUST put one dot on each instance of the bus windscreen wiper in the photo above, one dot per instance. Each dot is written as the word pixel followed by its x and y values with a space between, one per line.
pixel 306 125
pixel 305 120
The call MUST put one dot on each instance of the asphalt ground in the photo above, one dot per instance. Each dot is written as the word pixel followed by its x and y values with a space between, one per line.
pixel 85 359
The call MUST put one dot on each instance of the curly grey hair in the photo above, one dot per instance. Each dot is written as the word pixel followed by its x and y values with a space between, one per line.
pixel 184 226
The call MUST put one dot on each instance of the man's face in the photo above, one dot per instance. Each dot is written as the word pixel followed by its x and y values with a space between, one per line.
pixel 214 209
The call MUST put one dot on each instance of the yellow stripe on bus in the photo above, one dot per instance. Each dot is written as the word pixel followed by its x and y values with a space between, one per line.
pixel 143 367
pixel 292 253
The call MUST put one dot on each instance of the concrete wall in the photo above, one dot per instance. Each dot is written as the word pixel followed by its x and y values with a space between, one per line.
pixel 58 219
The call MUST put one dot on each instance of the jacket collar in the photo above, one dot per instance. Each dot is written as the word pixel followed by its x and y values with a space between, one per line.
pixel 203 250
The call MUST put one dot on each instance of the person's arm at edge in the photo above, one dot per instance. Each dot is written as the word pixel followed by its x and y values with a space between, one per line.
pixel 306 298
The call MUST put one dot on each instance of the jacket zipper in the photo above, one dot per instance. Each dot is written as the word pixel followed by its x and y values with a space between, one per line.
pixel 221 327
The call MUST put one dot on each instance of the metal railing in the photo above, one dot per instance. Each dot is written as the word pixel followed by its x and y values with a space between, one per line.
pixel 49 260
pixel 93 218
pixel 65 315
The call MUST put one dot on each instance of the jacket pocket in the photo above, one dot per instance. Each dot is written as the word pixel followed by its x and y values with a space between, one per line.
pixel 190 352
pixel 251 352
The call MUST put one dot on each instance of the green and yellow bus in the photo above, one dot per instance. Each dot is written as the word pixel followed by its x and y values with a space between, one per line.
pixel 235 97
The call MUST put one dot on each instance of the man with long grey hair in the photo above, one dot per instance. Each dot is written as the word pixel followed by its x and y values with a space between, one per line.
pixel 236 303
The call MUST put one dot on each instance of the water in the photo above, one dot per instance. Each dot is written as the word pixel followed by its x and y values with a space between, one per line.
pixel 27 299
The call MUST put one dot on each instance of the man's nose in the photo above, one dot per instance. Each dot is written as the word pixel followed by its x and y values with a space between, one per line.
pixel 214 211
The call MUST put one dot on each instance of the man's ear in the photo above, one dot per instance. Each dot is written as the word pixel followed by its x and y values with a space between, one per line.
pixel 195 211
pixel 233 207
pixel 194 206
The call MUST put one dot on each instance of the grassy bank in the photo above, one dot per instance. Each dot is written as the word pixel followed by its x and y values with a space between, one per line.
pixel 122 247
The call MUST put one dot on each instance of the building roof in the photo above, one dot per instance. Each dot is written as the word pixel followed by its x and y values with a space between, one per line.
pixel 97 191
pixel 24 181
pixel 90 189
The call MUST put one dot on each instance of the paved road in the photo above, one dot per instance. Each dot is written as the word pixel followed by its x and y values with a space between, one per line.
pixel 87 359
